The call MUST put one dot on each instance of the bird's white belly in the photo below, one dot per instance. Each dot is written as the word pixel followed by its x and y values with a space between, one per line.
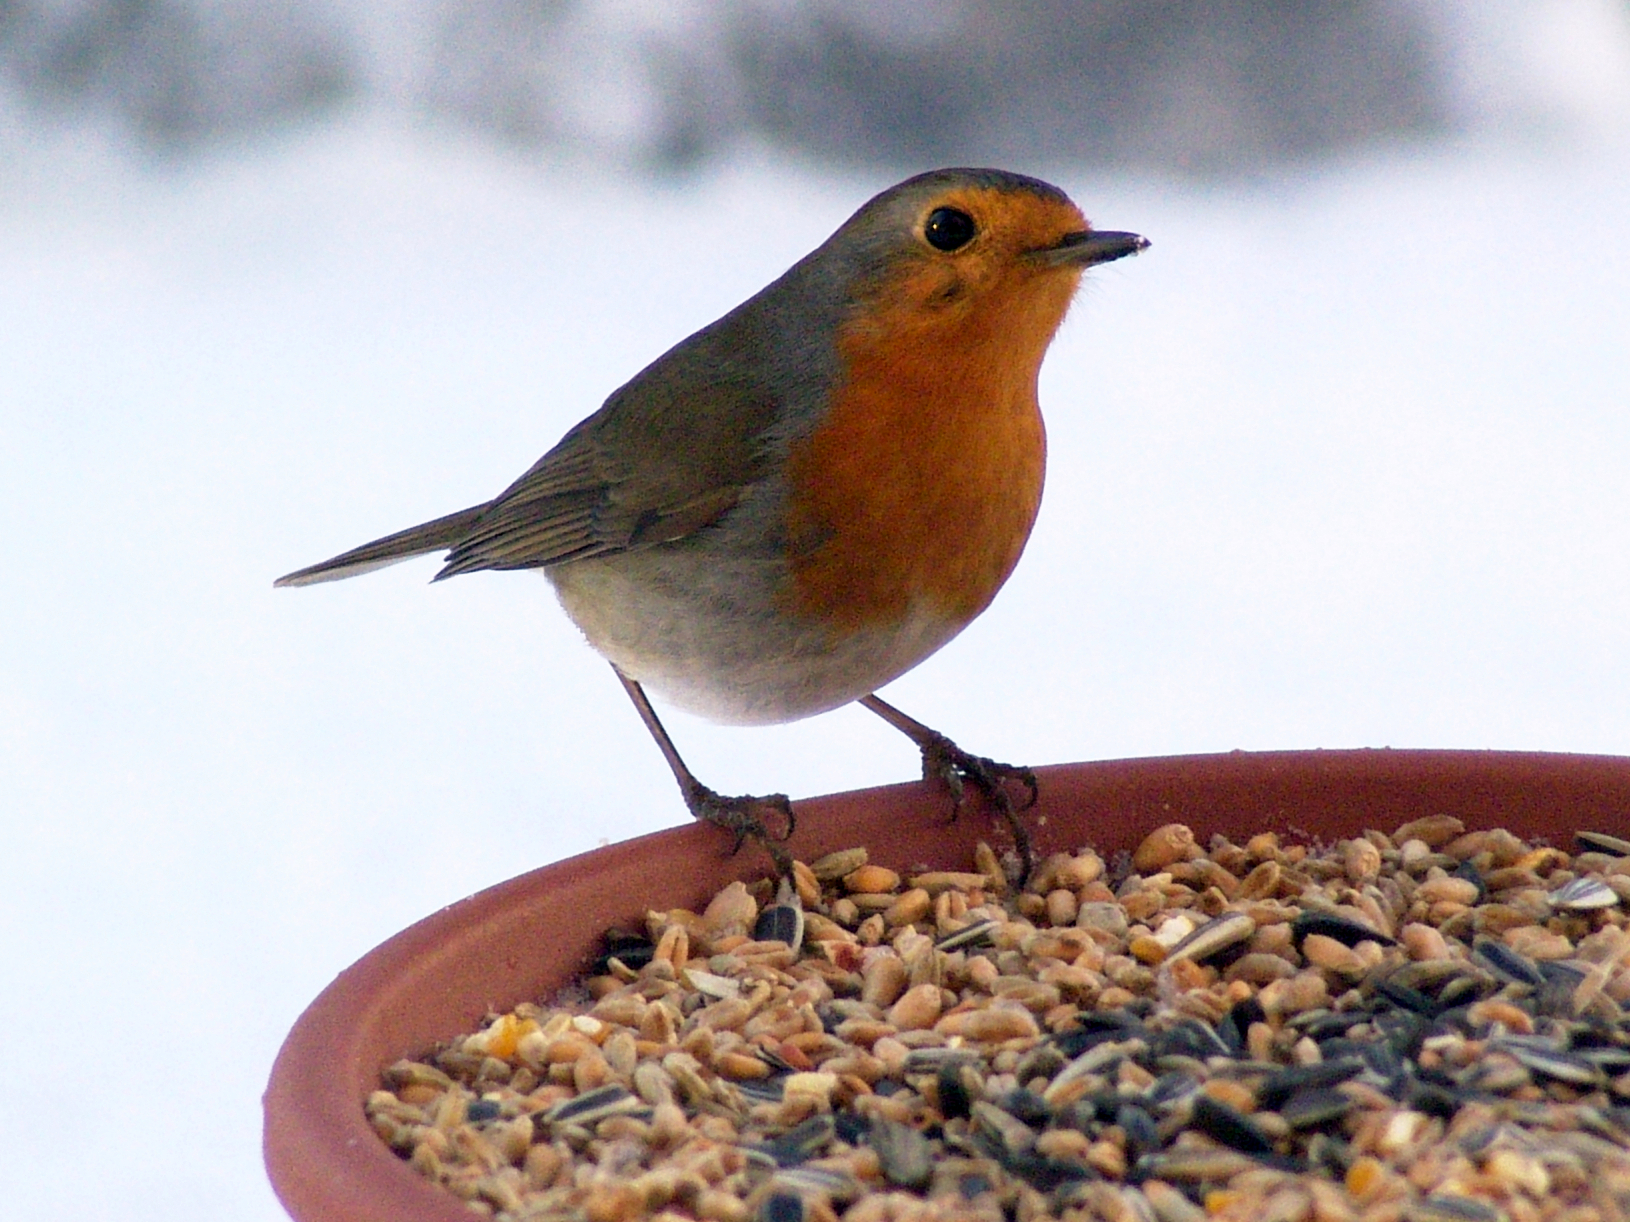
pixel 705 632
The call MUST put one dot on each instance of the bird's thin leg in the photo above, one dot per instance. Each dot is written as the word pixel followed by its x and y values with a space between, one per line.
pixel 944 761
pixel 742 817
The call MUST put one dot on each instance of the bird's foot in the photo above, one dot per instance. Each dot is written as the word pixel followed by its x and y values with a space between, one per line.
pixel 957 769
pixel 766 819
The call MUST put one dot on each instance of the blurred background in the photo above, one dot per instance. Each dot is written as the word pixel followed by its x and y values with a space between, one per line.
pixel 1341 461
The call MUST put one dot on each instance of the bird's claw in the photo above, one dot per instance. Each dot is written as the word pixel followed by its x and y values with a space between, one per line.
pixel 744 818
pixel 946 762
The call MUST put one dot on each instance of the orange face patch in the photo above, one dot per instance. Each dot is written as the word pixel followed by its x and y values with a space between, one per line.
pixel 919 487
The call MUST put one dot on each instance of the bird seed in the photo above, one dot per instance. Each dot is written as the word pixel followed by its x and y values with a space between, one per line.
pixel 1428 1025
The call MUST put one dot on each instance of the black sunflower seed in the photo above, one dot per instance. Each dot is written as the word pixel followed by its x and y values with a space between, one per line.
pixel 1192 1165
pixel 477 1110
pixel 1403 1032
pixel 1093 1028
pixel 1385 1062
pixel 801 1143
pixel 1311 1109
pixel 1347 932
pixel 1506 963
pixel 1461 991
pixel 765 1090
pixel 1027 1106
pixel 1142 1136
pixel 906 1158
pixel 1471 874
pixel 977 934
pixel 774 1060
pixel 1442 1100
pixel 1539 1056
pixel 1170 1088
pixel 837 1186
pixel 851 1128
pixel 955 1101
pixel 1556 995
pixel 932 1060
pixel 1494 1075
pixel 1610 1060
pixel 1188 1037
pixel 973 1185
pixel 594 1106
pixel 1214 940
pixel 781 923
pixel 633 950
pixel 1042 1061
pixel 781 1207
pixel 1231 1128
pixel 1238 1021
pixel 1451 1209
pixel 1403 996
pixel 1042 1173
pixel 1322 1025
pixel 1601 842
pixel 1283 1083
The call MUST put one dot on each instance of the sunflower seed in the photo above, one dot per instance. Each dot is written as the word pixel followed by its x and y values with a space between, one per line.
pixel 1452 1209
pixel 951 1085
pixel 1309 1109
pixel 1601 842
pixel 1506 963
pixel 781 1207
pixel 632 950
pixel 1042 1173
pixel 1194 1164
pixel 837 1186
pixel 1282 1084
pixel 800 1143
pixel 1584 894
pixel 1098 1057
pixel 1142 1134
pixel 932 1060
pixel 479 1110
pixel 1543 1058
pixel 1095 1027
pixel 834 866
pixel 906 1158
pixel 594 1106
pixel 1347 932
pixel 709 985
pixel 1217 934
pixel 783 922
pixel 1232 1128
pixel 976 934
pixel 765 1090
pixel 1188 1037
pixel 1009 1132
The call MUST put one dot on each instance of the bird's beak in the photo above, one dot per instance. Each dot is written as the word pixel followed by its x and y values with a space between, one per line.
pixel 1090 247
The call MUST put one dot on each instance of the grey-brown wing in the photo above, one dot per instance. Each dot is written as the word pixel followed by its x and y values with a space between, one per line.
pixel 550 514
pixel 665 457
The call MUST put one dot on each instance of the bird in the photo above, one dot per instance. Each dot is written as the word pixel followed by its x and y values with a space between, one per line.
pixel 809 496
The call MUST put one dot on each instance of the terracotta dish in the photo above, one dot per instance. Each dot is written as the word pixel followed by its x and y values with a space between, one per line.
pixel 524 938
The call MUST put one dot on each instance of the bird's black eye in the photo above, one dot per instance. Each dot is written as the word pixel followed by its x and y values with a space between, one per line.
pixel 948 228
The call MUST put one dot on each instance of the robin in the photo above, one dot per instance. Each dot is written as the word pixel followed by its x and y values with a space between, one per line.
pixel 808 497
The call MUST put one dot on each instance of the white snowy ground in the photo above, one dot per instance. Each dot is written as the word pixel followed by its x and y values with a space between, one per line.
pixel 1344 460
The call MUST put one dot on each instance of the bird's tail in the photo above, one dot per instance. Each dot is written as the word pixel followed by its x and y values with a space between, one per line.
pixel 436 536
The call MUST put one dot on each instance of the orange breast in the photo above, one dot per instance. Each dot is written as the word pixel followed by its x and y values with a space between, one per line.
pixel 919 488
